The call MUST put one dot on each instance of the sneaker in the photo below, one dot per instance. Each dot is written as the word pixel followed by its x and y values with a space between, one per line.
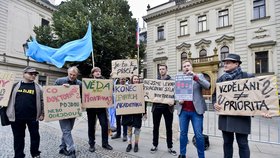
pixel 172 152
pixel 153 149
pixel 91 148
pixel 38 156
pixel 136 148
pixel 63 151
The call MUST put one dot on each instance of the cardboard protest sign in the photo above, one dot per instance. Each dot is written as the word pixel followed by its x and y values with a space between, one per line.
pixel 6 85
pixel 124 68
pixel 248 97
pixel 97 93
pixel 184 87
pixel 159 91
pixel 129 99
pixel 61 102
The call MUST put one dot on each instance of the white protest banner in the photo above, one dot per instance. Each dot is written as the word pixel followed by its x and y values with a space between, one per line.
pixel 248 97
pixel 184 87
pixel 129 99
pixel 124 68
pixel 6 85
pixel 61 102
pixel 97 93
pixel 159 91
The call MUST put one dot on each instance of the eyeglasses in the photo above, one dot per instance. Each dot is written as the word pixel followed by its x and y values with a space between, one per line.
pixel 32 74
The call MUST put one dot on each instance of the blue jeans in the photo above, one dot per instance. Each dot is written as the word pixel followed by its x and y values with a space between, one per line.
pixel 66 126
pixel 197 123
pixel 242 141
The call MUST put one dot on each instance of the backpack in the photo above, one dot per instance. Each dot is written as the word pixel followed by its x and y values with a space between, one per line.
pixel 206 141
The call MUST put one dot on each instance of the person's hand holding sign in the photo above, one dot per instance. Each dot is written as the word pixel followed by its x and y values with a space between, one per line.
pixel 66 85
pixel 217 107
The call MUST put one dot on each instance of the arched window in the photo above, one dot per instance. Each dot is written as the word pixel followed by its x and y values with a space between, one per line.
pixel 203 53
pixel 224 52
pixel 184 56
pixel 206 91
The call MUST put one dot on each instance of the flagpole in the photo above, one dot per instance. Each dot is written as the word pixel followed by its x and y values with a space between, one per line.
pixel 92 58
pixel 138 45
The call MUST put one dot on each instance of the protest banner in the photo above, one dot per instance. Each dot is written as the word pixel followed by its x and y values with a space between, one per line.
pixel 248 97
pixel 97 93
pixel 124 68
pixel 6 85
pixel 159 91
pixel 61 102
pixel 129 99
pixel 184 87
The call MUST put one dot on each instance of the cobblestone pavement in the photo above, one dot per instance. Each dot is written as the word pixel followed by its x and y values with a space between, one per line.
pixel 50 141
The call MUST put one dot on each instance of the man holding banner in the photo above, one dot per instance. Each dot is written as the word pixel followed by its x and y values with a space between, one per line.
pixel 159 109
pixel 26 108
pixel 67 146
pixel 228 124
pixel 192 110
pixel 101 113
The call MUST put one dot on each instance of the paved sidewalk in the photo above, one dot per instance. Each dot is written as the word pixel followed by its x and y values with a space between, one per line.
pixel 51 134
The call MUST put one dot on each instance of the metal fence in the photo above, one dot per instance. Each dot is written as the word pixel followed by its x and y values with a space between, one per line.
pixel 262 129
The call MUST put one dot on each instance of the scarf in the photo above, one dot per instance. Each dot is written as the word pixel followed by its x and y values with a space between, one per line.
pixel 230 75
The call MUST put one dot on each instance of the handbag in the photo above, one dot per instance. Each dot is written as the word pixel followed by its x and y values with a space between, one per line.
pixel 206 141
pixel 4 118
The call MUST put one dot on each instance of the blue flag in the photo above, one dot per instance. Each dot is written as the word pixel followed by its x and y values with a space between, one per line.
pixel 77 50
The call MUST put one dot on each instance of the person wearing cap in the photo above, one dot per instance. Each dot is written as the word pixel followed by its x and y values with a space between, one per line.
pixel 101 113
pixel 240 126
pixel 67 146
pixel 26 108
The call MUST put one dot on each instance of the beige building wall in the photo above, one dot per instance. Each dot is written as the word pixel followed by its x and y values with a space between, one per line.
pixel 17 19
pixel 244 35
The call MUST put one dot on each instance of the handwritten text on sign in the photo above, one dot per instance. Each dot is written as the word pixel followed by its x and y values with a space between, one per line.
pixel 129 99
pixel 248 97
pixel 124 68
pixel 97 93
pixel 6 84
pixel 184 87
pixel 61 102
pixel 159 91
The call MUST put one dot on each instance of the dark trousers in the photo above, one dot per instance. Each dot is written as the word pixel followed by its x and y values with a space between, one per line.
pixel 119 128
pixel 242 141
pixel 168 117
pixel 18 128
pixel 101 113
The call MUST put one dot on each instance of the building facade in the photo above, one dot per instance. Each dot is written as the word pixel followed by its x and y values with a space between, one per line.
pixel 205 31
pixel 17 19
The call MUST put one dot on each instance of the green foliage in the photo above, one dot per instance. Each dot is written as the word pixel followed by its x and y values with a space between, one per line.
pixel 113 31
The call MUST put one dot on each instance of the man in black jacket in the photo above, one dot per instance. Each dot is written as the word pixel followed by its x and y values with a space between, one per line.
pixel 166 110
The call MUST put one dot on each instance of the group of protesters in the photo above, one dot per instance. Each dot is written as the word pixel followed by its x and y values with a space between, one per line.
pixel 26 108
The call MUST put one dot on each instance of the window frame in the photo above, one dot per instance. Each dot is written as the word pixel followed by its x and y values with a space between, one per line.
pixel 223 18
pixel 160 33
pixel 259 8
pixel 261 67
pixel 202 23
pixel 184 27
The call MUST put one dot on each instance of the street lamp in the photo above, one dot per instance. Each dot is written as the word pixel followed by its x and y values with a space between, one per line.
pixel 25 47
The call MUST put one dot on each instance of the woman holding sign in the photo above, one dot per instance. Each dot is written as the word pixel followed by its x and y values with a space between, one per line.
pixel 133 120
pixel 192 111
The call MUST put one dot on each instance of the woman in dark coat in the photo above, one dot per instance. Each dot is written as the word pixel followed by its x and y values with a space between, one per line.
pixel 133 120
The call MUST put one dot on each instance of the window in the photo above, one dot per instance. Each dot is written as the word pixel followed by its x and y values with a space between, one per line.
pixel 224 53
pixel 261 62
pixel 42 80
pixel 223 18
pixel 184 56
pixel 44 22
pixel 203 53
pixel 160 33
pixel 183 28
pixel 259 9
pixel 202 23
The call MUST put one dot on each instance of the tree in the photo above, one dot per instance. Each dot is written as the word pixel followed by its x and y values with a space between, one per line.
pixel 113 31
